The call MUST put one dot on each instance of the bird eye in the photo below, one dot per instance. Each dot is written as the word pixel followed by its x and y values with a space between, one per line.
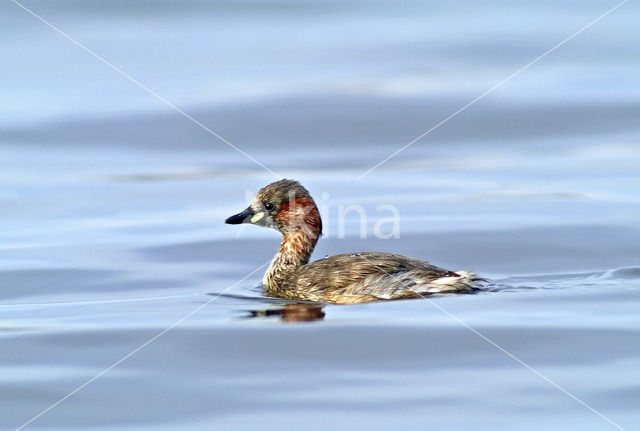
pixel 269 206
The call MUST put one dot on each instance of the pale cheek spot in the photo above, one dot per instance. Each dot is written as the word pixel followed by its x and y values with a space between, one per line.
pixel 257 217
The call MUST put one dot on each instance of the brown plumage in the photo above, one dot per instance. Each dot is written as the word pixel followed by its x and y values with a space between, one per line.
pixel 345 278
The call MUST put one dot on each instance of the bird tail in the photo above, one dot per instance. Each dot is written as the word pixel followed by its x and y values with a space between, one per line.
pixel 463 282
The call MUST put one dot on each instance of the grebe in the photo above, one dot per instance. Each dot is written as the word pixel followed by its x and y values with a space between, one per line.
pixel 344 278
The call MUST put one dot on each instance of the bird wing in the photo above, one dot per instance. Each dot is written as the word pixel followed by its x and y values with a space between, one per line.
pixel 368 276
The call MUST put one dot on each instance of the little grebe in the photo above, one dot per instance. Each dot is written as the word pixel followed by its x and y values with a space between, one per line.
pixel 345 278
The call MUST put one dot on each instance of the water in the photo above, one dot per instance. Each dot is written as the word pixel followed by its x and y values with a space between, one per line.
pixel 112 209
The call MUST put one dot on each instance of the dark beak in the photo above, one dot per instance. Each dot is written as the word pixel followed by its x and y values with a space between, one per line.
pixel 242 217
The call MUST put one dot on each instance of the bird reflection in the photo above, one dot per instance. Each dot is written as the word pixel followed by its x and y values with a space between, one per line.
pixel 298 312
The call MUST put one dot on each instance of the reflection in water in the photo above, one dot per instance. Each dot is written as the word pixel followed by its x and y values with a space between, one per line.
pixel 298 312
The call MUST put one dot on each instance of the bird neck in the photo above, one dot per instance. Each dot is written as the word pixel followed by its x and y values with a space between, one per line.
pixel 294 251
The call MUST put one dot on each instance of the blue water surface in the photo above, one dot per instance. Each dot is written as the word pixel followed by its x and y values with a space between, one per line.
pixel 113 199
